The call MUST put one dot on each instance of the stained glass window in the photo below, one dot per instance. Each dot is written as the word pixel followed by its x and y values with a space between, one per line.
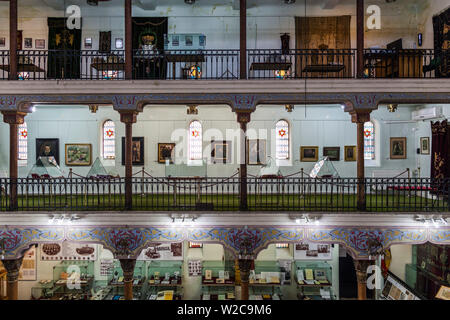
pixel 109 140
pixel 195 140
pixel 369 141
pixel 282 140
pixel 23 144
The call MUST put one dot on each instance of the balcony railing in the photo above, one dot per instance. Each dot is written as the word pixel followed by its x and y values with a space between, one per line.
pixel 223 194
pixel 225 64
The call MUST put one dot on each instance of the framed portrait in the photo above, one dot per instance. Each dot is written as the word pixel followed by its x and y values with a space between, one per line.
pixel 39 44
pixel 256 152
pixel 2 42
pixel 166 151
pixel 88 43
pixel 28 43
pixel 443 293
pixel 350 153
pixel 398 148
pixel 47 148
pixel 119 43
pixel 309 154
pixel 220 151
pixel 78 154
pixel 137 148
pixel 425 145
pixel 188 41
pixel 333 153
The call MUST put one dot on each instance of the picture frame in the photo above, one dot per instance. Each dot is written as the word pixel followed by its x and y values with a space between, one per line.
pixel 118 43
pixel 166 151
pixel 137 151
pixel 39 44
pixel 78 154
pixel 425 145
pixel 333 153
pixel 256 152
pixel 28 43
pixel 2 42
pixel 47 147
pixel 309 154
pixel 221 151
pixel 443 293
pixel 398 148
pixel 350 153
pixel 188 41
pixel 88 43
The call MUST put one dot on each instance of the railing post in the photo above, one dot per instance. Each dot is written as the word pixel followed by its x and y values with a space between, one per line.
pixel 13 40
pixel 243 118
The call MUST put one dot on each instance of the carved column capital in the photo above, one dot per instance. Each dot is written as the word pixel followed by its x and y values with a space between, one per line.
pixel 128 116
pixel 243 117
pixel 128 269
pixel 13 117
pixel 12 267
pixel 244 268
pixel 361 270
pixel 360 116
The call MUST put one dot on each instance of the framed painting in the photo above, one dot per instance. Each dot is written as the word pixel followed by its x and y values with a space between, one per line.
pixel 220 151
pixel 309 154
pixel 78 154
pixel 425 145
pixel 137 148
pixel 28 43
pixel 256 152
pixel 333 153
pixel 166 151
pixel 350 153
pixel 39 44
pixel 47 148
pixel 398 148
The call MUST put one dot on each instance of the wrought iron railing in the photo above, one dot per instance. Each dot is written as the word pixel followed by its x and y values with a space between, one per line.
pixel 225 64
pixel 302 194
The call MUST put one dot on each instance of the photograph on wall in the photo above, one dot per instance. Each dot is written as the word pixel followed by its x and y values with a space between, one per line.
pixel 166 151
pixel 78 154
pixel 47 148
pixel 350 153
pixel 88 43
pixel 162 251
pixel 220 151
pixel 39 44
pixel 137 149
pixel 106 267
pixel 68 251
pixel 333 153
pixel 256 152
pixel 398 148
pixel 28 270
pixel 2 42
pixel 312 251
pixel 425 145
pixel 309 154
pixel 28 43
pixel 194 268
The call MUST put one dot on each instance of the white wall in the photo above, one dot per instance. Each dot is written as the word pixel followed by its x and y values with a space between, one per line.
pixel 401 256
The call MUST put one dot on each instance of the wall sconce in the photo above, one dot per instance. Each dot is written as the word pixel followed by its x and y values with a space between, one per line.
pixel 435 222
pixel 392 107
pixel 289 107
pixel 183 220
pixel 192 109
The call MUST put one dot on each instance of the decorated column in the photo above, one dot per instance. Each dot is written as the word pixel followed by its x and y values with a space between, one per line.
pixel 246 260
pixel 12 277
pixel 243 118
pixel 361 277
pixel 360 117
pixel 128 117
pixel 14 119
pixel 128 272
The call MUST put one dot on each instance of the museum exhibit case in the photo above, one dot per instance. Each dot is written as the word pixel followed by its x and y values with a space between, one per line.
pixel 314 280
pixel 164 276
pixel 265 281
pixel 116 281
pixel 218 280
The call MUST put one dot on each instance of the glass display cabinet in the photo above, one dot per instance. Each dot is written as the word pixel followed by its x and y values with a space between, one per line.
pixel 74 278
pixel 45 290
pixel 115 281
pixel 314 280
pixel 265 281
pixel 218 280
pixel 164 276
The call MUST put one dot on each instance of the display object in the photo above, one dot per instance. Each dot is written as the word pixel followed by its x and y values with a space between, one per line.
pixel 333 153
pixel 166 152
pixel 28 43
pixel 106 267
pixel 98 171
pixel 221 151
pixel 395 289
pixel 78 154
pixel 162 251
pixel 28 269
pixel 443 293
pixel 256 152
pixel 195 268
pixel 68 251
pixel 45 168
pixel 314 280
pixel 350 153
pixel 324 169
pixel 312 251
pixel 48 148
pixel 398 148
pixel 75 279
pixel 164 275
pixel 137 149
pixel 88 43
pixel 309 154
pixel 425 145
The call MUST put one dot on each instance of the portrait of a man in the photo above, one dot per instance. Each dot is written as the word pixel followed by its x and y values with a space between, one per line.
pixel 47 148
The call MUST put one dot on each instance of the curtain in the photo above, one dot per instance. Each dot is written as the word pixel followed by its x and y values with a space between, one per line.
pixel 320 33
pixel 440 150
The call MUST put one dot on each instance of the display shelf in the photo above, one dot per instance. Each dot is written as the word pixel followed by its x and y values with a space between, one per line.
pixel 139 276
pixel 165 273
pixel 217 273
pixel 266 274
pixel 74 278
pixel 259 291
pixel 44 290
pixel 314 280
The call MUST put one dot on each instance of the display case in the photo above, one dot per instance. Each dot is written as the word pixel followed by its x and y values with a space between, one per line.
pixel 75 278
pixel 314 280
pixel 265 281
pixel 164 276
pixel 45 290
pixel 218 280
pixel 115 281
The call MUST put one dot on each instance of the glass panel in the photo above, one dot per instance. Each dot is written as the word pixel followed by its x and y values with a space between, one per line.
pixel 109 140
pixel 369 141
pixel 282 140
pixel 23 143
pixel 195 140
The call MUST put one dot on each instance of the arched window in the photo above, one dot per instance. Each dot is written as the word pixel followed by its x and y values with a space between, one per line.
pixel 109 140
pixel 282 140
pixel 23 144
pixel 369 141
pixel 195 140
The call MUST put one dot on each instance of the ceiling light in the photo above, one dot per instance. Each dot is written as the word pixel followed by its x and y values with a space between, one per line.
pixel 189 1
pixel 289 1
